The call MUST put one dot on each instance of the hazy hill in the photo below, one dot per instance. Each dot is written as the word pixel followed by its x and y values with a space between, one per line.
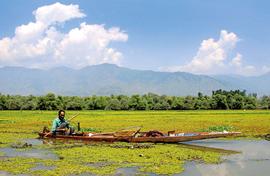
pixel 107 79
pixel 255 84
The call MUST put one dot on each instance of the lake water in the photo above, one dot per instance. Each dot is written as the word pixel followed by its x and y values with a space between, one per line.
pixel 254 159
pixel 246 158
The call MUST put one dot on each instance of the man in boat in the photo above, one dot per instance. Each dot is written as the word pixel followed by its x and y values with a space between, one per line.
pixel 61 125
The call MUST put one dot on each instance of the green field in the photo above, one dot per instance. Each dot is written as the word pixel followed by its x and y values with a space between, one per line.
pixel 105 158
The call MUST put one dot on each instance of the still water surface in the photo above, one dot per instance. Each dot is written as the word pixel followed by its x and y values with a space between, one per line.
pixel 254 159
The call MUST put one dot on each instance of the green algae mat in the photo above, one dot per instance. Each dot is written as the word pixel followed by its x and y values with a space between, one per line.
pixel 103 158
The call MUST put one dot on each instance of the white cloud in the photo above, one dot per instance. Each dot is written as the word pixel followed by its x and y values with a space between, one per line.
pixel 266 69
pixel 57 13
pixel 210 55
pixel 91 42
pixel 242 69
pixel 213 58
pixel 40 44
pixel 237 60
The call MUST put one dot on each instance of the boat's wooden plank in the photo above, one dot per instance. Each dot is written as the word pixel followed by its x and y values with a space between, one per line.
pixel 160 139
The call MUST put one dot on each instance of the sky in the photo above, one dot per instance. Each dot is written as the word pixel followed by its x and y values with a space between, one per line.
pixel 201 37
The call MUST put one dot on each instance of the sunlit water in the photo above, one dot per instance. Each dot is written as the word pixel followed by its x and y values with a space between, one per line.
pixel 246 158
pixel 254 159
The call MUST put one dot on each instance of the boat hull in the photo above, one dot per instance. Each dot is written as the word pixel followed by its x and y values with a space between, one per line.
pixel 159 139
pixel 175 139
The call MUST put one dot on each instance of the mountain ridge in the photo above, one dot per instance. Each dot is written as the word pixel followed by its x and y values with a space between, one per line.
pixel 107 79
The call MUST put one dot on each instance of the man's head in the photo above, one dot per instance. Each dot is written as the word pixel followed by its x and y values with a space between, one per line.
pixel 61 114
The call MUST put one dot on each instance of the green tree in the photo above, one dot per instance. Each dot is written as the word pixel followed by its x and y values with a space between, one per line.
pixel 189 103
pixel 265 102
pixel 3 102
pixel 142 104
pixel 202 103
pixel 238 102
pixel 123 102
pixel 74 103
pixel 150 100
pixel 114 104
pixel 250 102
pixel 41 103
pixel 13 102
pixel 89 103
pixel 219 101
pixel 101 102
pixel 134 102
pixel 50 102
pixel 29 103
pixel 177 103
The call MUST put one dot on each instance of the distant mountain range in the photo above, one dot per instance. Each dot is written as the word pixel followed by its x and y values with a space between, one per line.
pixel 107 79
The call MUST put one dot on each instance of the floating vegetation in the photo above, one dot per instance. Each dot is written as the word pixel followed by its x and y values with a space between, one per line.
pixel 267 137
pixel 73 158
pixel 3 121
pixel 160 159
pixel 220 128
pixel 6 139
pixel 21 145
pixel 17 165
pixel 133 145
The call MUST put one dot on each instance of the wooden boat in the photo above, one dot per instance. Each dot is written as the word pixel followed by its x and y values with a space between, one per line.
pixel 140 137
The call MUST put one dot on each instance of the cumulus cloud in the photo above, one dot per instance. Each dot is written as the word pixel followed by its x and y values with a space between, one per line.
pixel 237 60
pixel 213 57
pixel 210 55
pixel 57 12
pixel 242 69
pixel 41 44
pixel 266 69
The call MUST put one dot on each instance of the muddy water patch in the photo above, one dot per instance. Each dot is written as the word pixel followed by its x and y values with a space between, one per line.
pixel 131 171
pixel 40 166
pixel 3 173
pixel 30 153
pixel 33 142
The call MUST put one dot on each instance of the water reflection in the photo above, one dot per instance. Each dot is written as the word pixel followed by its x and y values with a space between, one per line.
pixel 209 149
pixel 254 159
pixel 3 173
pixel 31 153
pixel 130 171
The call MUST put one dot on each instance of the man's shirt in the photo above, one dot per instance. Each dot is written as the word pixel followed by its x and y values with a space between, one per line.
pixel 57 122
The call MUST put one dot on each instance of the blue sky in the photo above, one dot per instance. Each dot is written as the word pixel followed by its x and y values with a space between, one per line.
pixel 155 34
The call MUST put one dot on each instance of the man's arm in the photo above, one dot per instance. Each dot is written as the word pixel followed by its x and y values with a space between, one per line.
pixel 67 123
pixel 54 126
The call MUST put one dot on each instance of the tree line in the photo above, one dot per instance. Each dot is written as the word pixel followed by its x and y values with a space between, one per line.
pixel 220 99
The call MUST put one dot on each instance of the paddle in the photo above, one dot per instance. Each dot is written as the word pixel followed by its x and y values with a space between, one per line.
pixel 73 117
